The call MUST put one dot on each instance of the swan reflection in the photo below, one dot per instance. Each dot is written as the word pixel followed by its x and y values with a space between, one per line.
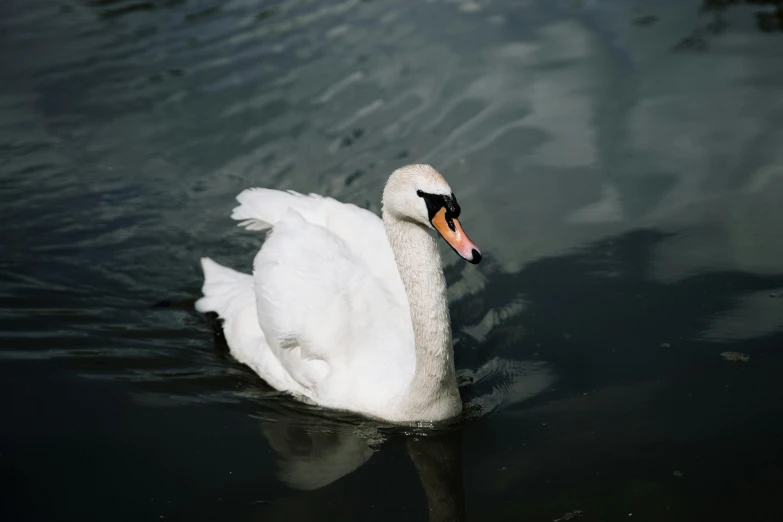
pixel 309 457
pixel 315 448
pixel 312 456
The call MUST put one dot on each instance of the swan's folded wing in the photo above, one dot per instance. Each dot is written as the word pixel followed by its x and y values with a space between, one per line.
pixel 361 231
pixel 325 313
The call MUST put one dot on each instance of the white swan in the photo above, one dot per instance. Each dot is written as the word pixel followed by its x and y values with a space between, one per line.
pixel 340 312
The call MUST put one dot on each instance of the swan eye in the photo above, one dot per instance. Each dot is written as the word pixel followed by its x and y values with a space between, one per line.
pixel 434 202
pixel 452 206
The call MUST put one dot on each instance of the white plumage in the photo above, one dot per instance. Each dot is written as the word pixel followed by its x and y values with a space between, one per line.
pixel 326 316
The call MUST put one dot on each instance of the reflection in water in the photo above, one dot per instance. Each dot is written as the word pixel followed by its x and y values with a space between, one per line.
pixel 312 455
pixel 438 459
pixel 768 15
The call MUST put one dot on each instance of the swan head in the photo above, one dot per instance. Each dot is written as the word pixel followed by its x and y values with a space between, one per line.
pixel 419 193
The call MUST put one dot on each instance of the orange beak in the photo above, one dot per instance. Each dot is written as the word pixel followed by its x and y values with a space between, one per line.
pixel 452 232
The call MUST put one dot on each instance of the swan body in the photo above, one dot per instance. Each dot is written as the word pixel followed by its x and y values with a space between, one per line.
pixel 344 309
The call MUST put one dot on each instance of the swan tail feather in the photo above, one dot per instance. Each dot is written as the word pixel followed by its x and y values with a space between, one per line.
pixel 231 295
pixel 224 289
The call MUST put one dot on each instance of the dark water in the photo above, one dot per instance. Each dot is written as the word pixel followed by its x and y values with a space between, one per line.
pixel 619 163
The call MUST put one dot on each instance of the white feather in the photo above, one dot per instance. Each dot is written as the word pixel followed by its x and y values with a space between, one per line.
pixel 325 315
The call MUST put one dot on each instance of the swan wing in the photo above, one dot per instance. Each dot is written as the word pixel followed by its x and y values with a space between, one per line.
pixel 339 327
pixel 361 231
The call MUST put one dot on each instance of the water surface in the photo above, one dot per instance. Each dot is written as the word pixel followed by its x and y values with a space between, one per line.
pixel 619 164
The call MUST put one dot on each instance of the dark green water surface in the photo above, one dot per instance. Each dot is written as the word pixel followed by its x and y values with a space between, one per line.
pixel 620 164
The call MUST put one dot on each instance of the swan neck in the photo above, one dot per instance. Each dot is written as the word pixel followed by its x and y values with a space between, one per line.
pixel 432 393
